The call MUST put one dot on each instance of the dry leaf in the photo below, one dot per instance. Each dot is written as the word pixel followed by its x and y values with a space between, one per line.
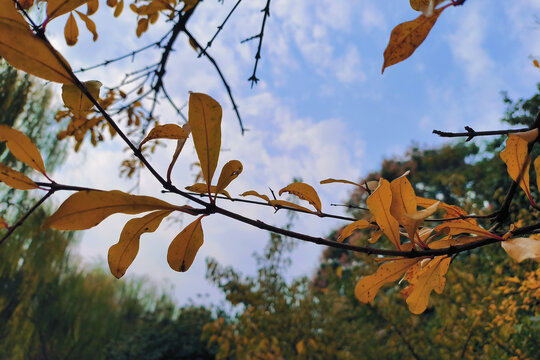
pixel 407 37
pixel 368 286
pixel 205 123
pixel 521 249
pixel 304 192
pixel 279 203
pixel 122 254
pixel 90 25
pixel 516 157
pixel 379 203
pixel 56 8
pixel 254 193
pixel 86 209
pixel 75 100
pixel 23 50
pixel 92 7
pixel 167 131
pixel 430 277
pixel 22 148
pixel 71 31
pixel 202 188
pixel 185 245
pixel 16 179
pixel 230 171
pixel 460 227
pixel 351 228
pixel 404 202
pixel 329 181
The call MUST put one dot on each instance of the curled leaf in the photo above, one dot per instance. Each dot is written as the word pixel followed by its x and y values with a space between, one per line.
pixel 230 171
pixel 407 37
pixel 463 227
pixel 122 254
pixel 529 136
pixel 254 193
pixel 304 192
pixel 403 203
pixel 16 179
pixel 366 289
pixel 57 8
pixel 179 146
pixel 351 228
pixel 379 203
pixel 167 131
pixel 86 209
pixel 330 181
pixel 185 245
pixel 516 157
pixel 282 203
pixel 22 148
pixel 90 25
pixel 91 7
pixel 521 249
pixel 205 123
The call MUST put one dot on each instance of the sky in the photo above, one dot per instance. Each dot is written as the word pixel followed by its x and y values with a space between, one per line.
pixel 322 109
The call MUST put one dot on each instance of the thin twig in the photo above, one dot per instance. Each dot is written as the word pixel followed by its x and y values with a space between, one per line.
pixel 351 206
pixel 471 133
pixel 219 28
pixel 253 78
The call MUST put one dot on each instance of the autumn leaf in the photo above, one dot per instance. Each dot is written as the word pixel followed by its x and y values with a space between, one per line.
pixel 86 209
pixel 460 227
pixel 304 192
pixel 205 123
pixel 516 157
pixel 56 8
pixel 379 203
pixel 202 188
pixel 8 10
pixel 430 277
pixel 189 4
pixel 92 7
pixel 15 179
pixel 254 193
pixel 71 31
pixel 280 203
pixel 537 170
pixel 75 100
pixel 185 245
pixel 529 136
pixel 22 148
pixel 403 202
pixel 25 51
pixel 230 171
pixel 167 131
pixel 366 289
pixel 142 26
pixel 179 146
pixel 330 181
pixel 118 8
pixel 521 249
pixel 407 37
pixel 90 25
pixel 351 228
pixel 122 254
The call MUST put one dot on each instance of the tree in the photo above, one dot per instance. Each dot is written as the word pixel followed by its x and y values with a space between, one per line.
pixel 419 253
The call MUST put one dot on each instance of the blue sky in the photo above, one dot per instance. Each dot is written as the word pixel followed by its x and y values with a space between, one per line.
pixel 322 108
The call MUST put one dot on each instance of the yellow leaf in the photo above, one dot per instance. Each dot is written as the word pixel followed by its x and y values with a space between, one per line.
pixel 536 63
pixel 202 188
pixel 185 245
pixel 300 347
pixel 368 286
pixel 205 123
pixel 450 241
pixel 76 101
pixel 419 5
pixel 329 181
pixel 403 202
pixel 537 170
pixel 407 37
pixel 304 192
pixel 15 179
pixel 90 25
pixel 375 236
pixel 278 203
pixel 122 254
pixel 461 227
pixel 516 157
pixel 179 146
pixel 86 209
pixel 57 8
pixel 339 272
pixel 112 3
pixel 8 10
pixel 430 277
pixel 91 7
pixel 379 203
pixel 71 30
pixel 254 193
pixel 189 4
pixel 350 229
pixel 167 131
pixel 23 50
pixel 418 217
pixel 142 26
pixel 22 148
pixel 230 171
pixel 521 249
pixel 118 9
pixel 529 136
